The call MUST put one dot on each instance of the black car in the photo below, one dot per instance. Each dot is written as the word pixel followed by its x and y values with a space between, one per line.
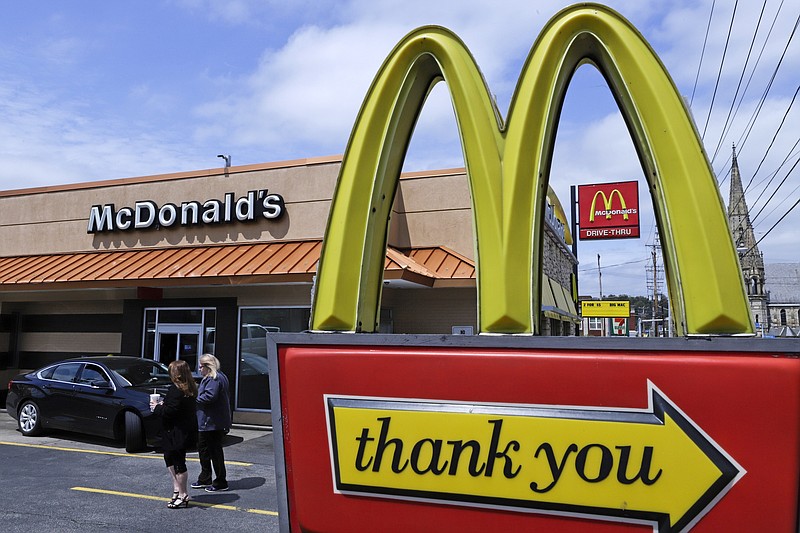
pixel 107 396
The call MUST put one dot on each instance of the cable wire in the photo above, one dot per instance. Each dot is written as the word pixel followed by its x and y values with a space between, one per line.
pixel 726 126
pixel 778 222
pixel 703 52
pixel 786 197
pixel 757 111
pixel 719 73
pixel 772 142
pixel 750 79
pixel 777 188
pixel 772 178
pixel 594 268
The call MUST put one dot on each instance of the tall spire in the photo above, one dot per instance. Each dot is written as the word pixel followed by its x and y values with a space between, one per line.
pixel 737 206
pixel 745 240
pixel 739 215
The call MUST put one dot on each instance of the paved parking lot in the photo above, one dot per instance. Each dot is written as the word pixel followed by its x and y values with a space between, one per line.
pixel 66 482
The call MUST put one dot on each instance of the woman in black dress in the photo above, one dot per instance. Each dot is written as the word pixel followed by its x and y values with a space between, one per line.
pixel 178 428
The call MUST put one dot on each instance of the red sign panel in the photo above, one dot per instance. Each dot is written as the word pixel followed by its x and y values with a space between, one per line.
pixel 609 210
pixel 476 437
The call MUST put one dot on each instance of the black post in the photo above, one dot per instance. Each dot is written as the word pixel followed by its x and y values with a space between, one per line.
pixel 573 205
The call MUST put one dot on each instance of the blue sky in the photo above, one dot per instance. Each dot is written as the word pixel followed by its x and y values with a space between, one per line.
pixel 95 90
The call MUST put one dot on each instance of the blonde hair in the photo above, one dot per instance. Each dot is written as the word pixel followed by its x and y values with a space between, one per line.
pixel 182 377
pixel 211 362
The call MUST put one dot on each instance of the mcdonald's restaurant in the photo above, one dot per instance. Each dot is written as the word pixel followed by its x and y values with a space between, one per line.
pixel 173 266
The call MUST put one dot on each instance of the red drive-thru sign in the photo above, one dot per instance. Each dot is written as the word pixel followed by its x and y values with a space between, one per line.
pixel 609 210
pixel 421 433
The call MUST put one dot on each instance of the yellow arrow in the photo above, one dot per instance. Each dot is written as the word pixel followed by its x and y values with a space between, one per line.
pixel 653 465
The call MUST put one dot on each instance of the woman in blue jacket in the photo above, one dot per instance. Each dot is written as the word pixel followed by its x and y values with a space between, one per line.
pixel 213 423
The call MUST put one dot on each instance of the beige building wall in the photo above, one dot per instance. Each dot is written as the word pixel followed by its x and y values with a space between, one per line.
pixel 431 209
pixel 71 342
pixel 64 322
pixel 434 209
pixel 55 219
pixel 68 303
pixel 431 311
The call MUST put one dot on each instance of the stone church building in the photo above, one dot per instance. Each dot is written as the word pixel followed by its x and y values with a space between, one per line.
pixel 773 290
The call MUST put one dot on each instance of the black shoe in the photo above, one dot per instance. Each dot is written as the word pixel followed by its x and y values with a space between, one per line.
pixel 199 485
pixel 212 488
pixel 179 503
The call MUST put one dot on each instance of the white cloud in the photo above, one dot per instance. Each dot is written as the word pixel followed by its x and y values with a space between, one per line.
pixel 309 68
pixel 304 95
pixel 48 140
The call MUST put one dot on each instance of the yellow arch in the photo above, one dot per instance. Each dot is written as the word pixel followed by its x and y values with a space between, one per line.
pixel 508 170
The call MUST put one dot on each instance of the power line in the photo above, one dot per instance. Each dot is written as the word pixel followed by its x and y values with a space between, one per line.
pixel 726 126
pixel 772 142
pixel 790 195
pixel 703 52
pixel 755 66
pixel 719 73
pixel 777 188
pixel 605 267
pixel 750 79
pixel 774 174
pixel 757 111
pixel 778 222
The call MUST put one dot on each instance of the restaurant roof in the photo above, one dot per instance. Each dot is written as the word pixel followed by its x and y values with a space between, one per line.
pixel 224 264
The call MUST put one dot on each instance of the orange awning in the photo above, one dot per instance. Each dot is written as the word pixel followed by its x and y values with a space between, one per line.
pixel 229 264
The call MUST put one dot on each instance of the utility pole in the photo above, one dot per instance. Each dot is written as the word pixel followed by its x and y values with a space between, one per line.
pixel 655 288
pixel 599 276
pixel 654 275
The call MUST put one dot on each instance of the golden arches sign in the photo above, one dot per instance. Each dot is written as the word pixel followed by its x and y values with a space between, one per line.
pixel 508 167
pixel 607 201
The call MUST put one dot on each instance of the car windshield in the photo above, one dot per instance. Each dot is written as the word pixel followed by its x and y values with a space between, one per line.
pixel 139 371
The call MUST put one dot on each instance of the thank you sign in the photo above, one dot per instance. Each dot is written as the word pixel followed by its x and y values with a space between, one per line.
pixel 537 458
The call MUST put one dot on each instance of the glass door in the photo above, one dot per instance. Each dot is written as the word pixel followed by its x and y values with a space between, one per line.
pixel 178 342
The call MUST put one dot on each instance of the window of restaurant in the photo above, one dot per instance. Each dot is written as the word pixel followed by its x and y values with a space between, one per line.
pixel 178 334
pixel 255 323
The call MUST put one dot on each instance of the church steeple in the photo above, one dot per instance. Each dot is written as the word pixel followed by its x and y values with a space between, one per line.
pixel 738 214
pixel 744 238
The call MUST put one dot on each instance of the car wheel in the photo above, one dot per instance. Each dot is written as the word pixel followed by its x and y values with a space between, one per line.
pixel 30 419
pixel 134 433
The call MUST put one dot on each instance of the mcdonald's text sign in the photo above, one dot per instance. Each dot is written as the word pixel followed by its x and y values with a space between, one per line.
pixel 609 210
